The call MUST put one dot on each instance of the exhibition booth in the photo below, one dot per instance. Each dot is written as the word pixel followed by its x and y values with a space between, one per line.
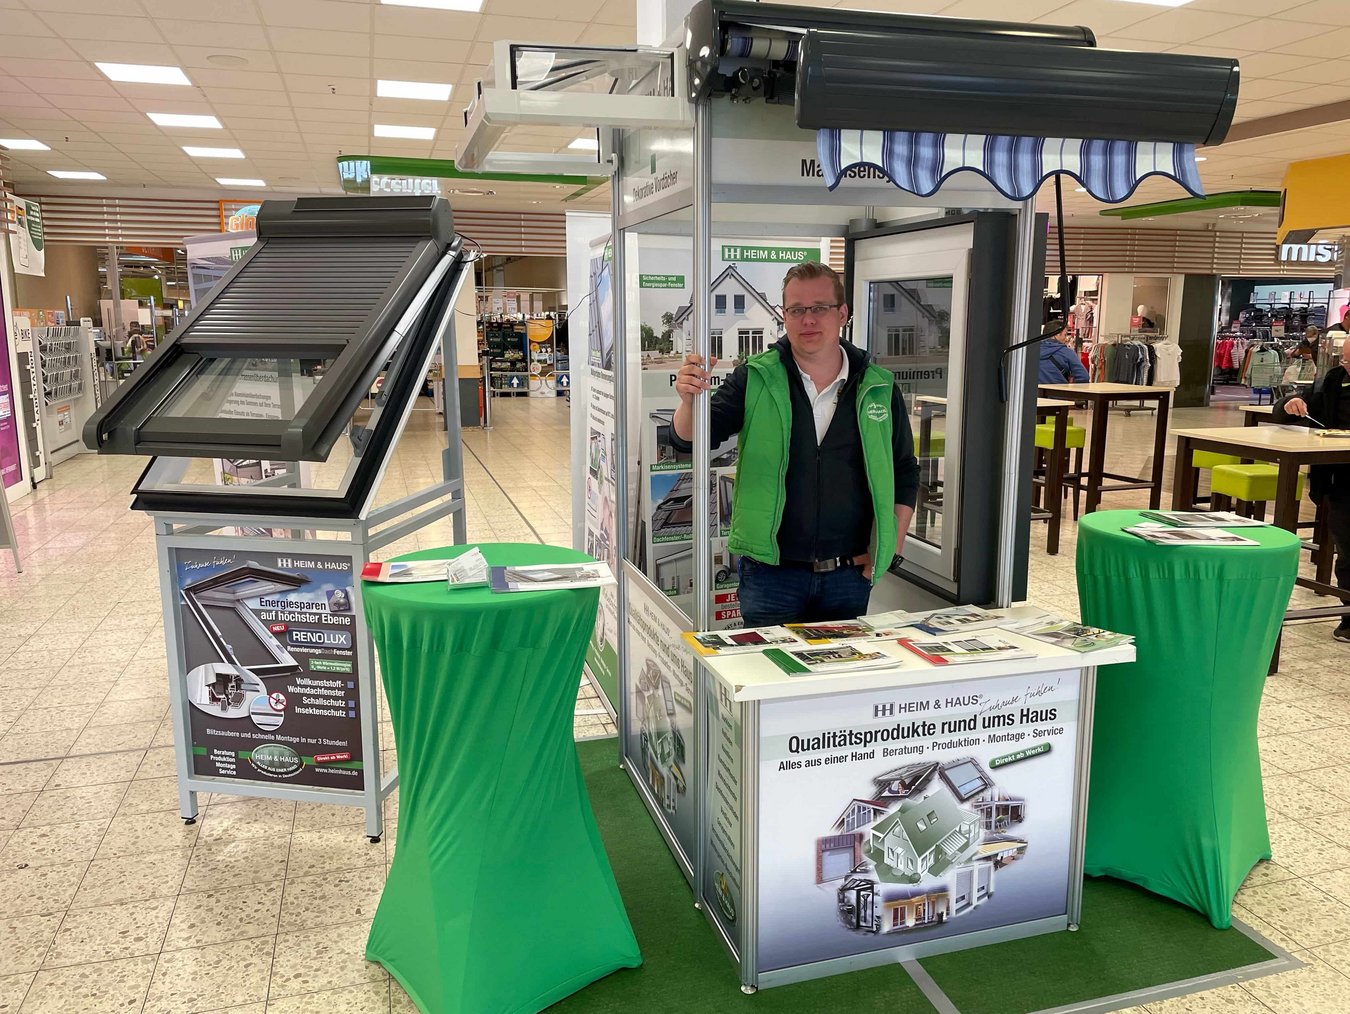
pixel 767 136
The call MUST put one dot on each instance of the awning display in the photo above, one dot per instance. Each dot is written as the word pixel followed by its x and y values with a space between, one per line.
pixel 1016 166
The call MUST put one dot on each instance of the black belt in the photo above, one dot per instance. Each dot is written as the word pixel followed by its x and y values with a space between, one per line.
pixel 821 566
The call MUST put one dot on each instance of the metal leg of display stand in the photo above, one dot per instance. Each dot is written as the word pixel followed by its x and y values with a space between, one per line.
pixel 8 537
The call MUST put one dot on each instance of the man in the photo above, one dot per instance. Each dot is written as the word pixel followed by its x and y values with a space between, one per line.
pixel 1059 363
pixel 826 478
pixel 1328 405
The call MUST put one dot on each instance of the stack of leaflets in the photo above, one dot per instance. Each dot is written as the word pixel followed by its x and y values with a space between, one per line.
pixel 468 570
pixel 959 620
pixel 550 577
pixel 1335 434
pixel 831 659
pixel 964 649
pixel 739 642
pixel 1067 634
pixel 1202 519
pixel 1165 535
pixel 837 631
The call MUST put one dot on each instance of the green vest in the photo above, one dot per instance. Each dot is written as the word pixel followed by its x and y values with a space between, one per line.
pixel 761 466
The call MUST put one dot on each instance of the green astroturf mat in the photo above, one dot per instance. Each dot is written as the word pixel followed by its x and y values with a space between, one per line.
pixel 1130 940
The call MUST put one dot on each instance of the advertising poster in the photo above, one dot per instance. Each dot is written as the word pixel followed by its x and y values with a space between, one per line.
pixel 271 666
pixel 27 243
pixel 600 535
pixel 11 461
pixel 661 708
pixel 722 870
pixel 892 817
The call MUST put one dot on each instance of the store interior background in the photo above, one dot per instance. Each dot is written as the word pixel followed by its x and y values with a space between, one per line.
pixel 87 810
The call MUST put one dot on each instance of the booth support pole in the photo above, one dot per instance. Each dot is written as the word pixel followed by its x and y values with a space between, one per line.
pixel 1012 477
pixel 619 287
pixel 702 299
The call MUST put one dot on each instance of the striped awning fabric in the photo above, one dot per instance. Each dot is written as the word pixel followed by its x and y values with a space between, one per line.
pixel 1016 166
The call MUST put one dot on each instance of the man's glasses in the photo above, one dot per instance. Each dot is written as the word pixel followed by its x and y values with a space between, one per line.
pixel 815 310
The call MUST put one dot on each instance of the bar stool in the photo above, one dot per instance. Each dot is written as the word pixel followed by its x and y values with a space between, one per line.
pixel 1075 439
pixel 1250 485
pixel 1204 460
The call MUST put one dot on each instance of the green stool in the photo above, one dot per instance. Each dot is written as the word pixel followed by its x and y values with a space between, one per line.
pixel 1250 485
pixel 1206 460
pixel 1075 439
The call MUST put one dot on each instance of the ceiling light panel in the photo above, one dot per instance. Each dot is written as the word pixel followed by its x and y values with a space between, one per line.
pixel 185 120
pixel 22 144
pixel 585 144
pixel 230 181
pixel 472 6
pixel 75 174
pixel 143 73
pixel 412 90
pixel 411 133
pixel 1157 3
pixel 197 152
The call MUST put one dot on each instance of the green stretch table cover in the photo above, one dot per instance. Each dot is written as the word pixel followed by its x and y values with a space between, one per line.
pixel 500 897
pixel 1176 803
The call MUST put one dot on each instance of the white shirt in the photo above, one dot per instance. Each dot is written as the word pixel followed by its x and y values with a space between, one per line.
pixel 823 402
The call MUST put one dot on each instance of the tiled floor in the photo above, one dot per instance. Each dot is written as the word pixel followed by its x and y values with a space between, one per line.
pixel 108 902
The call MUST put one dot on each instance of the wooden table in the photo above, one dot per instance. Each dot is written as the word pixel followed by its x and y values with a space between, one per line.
pixel 1255 415
pixel 1286 447
pixel 1100 397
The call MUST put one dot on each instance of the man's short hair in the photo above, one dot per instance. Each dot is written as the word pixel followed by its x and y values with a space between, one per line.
pixel 808 270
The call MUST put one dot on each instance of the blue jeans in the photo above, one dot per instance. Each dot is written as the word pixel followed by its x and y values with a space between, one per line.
pixel 771 595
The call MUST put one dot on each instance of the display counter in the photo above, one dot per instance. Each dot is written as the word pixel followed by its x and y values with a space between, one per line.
pixel 859 819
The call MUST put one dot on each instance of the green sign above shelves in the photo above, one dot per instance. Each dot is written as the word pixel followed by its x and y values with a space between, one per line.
pixel 383 174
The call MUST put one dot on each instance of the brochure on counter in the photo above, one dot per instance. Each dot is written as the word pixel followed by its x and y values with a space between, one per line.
pixel 841 631
pixel 1067 633
pixel 829 659
pixel 1202 519
pixel 1165 535
pixel 738 642
pixel 955 651
pixel 550 577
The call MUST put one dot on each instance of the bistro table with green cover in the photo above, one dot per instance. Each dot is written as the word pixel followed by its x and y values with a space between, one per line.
pixel 500 897
pixel 1176 803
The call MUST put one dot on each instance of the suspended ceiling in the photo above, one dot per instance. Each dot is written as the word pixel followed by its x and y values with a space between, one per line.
pixel 293 83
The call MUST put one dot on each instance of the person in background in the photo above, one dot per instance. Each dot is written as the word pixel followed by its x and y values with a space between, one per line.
pixel 826 477
pixel 1328 406
pixel 1060 363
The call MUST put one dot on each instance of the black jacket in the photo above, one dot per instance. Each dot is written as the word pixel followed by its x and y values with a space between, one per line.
pixel 1324 405
pixel 828 508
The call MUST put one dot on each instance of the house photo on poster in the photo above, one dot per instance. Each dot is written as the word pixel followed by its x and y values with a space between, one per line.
pixel 887 818
pixel 661 708
pixel 270 662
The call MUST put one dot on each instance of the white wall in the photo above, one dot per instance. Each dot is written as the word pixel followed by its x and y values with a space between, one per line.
pixel 1117 303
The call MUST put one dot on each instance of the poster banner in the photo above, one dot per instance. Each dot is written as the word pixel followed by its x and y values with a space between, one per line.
pixel 721 887
pixel 600 536
pixel 891 817
pixel 661 706
pixel 27 244
pixel 11 458
pixel 271 666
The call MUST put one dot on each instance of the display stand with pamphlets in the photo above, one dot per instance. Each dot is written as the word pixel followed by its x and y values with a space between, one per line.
pixel 853 770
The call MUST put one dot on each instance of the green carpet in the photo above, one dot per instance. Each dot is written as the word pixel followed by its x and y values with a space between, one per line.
pixel 1130 939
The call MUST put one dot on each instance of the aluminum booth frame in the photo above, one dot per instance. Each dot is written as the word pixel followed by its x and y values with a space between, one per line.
pixel 723 151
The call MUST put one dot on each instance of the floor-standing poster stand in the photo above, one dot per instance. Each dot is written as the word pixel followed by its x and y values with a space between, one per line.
pixel 269 458
pixel 748 141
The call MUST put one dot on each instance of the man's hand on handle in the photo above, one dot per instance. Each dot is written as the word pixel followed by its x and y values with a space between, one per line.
pixel 693 378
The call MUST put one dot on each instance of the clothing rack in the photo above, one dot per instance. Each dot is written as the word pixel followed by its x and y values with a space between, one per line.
pixel 1122 357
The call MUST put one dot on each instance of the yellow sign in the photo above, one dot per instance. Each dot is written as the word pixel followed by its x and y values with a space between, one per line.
pixel 1316 196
